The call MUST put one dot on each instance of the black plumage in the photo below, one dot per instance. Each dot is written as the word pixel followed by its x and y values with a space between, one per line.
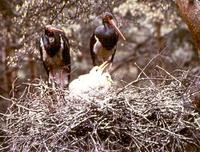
pixel 55 52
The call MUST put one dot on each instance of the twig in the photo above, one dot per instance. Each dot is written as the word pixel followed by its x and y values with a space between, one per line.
pixel 8 99
pixel 169 74
pixel 131 83
pixel 142 71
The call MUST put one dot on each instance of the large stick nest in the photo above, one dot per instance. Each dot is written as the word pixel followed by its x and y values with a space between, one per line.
pixel 155 119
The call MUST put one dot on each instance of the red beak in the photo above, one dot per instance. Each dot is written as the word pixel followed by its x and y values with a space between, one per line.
pixel 51 28
pixel 112 22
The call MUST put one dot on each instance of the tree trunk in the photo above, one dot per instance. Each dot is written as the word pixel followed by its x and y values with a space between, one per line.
pixel 190 13
pixel 8 75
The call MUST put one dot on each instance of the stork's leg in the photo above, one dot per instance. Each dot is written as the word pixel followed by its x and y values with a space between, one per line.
pixel 112 57
pixel 52 79
pixel 61 79
pixel 63 73
pixel 110 67
pixel 68 78
pixel 111 60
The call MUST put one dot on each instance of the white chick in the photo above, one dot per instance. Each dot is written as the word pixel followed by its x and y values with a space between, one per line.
pixel 95 81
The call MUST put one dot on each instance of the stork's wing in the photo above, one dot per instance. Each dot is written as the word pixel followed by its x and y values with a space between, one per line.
pixel 92 43
pixel 66 54
pixel 41 44
pixel 38 46
pixel 66 50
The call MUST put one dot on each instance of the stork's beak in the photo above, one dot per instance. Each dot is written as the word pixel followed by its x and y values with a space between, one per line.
pixel 51 28
pixel 104 65
pixel 112 22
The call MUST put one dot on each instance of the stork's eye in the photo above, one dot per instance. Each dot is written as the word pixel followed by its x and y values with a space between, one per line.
pixel 109 17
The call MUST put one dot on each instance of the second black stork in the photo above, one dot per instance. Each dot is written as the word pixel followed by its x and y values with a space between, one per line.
pixel 104 40
pixel 55 54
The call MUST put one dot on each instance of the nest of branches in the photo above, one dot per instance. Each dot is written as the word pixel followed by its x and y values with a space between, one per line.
pixel 156 119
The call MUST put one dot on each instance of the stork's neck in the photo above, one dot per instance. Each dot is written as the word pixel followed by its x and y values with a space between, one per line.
pixel 106 25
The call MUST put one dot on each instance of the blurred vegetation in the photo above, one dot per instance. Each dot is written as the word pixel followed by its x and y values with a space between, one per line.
pixel 151 28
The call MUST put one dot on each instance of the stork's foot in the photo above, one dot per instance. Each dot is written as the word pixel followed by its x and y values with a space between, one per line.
pixel 52 83
pixel 110 67
pixel 63 82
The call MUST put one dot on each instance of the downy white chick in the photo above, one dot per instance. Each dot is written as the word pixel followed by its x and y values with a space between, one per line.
pixel 95 81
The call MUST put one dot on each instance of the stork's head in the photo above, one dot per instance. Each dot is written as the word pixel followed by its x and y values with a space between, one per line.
pixel 107 18
pixel 99 69
pixel 50 31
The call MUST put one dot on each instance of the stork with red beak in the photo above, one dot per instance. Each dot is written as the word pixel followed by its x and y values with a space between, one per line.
pixel 104 40
pixel 55 54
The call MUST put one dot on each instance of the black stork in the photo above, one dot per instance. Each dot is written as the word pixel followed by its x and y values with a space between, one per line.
pixel 104 40
pixel 55 54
